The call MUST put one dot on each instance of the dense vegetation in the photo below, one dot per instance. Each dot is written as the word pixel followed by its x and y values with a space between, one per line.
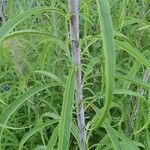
pixel 37 74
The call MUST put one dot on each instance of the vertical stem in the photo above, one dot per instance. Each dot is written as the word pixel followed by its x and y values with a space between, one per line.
pixel 74 36
pixel 2 13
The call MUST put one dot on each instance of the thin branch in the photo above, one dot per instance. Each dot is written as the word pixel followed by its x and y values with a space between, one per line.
pixel 74 36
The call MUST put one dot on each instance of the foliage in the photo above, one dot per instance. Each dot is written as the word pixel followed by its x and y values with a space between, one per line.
pixel 37 108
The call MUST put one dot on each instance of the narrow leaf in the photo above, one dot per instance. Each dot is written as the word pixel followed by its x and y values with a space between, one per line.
pixel 18 102
pixel 49 74
pixel 11 23
pixel 66 113
pixel 33 131
pixel 53 139
pixel 109 53
pixel 112 135
pixel 133 52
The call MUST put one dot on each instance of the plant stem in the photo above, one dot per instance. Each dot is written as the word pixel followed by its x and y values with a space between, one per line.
pixel 74 36
pixel 2 13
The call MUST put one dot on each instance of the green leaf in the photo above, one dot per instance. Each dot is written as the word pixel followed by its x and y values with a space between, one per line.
pixel 131 93
pixel 109 129
pixel 112 135
pixel 25 32
pixel 144 126
pixel 66 113
pixel 2 101
pixel 145 27
pixel 33 131
pixel 13 22
pixel 53 139
pixel 18 102
pixel 75 132
pixel 134 81
pixel 126 142
pixel 49 74
pixel 109 54
pixel 133 52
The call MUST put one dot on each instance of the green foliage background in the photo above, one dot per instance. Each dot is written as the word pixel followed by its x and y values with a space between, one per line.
pixel 36 76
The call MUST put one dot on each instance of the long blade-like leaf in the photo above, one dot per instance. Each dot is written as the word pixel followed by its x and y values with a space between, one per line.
pixel 53 139
pixel 109 129
pixel 11 23
pixel 66 114
pixel 135 81
pixel 131 93
pixel 109 53
pixel 17 103
pixel 133 52
pixel 33 131
pixel 49 74
pixel 113 136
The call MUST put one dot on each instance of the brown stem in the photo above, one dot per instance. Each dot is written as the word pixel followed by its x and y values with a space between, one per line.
pixel 74 36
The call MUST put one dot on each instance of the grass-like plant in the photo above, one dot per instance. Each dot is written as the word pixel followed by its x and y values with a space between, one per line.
pixel 74 75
